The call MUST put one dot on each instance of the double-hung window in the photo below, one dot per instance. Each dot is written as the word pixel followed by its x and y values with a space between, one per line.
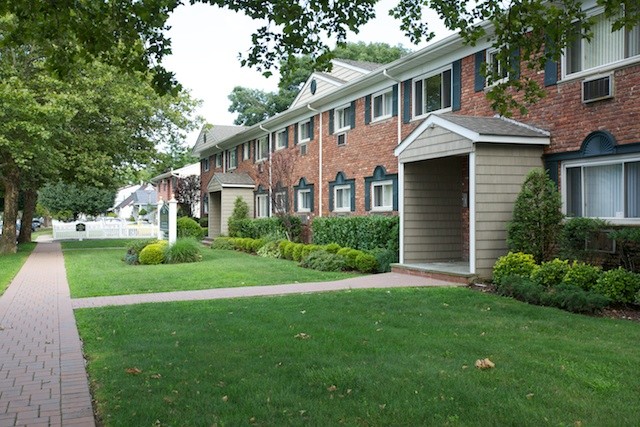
pixel 262 205
pixel 342 118
pixel 232 158
pixel 604 48
pixel 280 202
pixel 603 189
pixel 497 72
pixel 433 93
pixel 342 198
pixel 382 196
pixel 219 160
pixel 281 139
pixel 205 203
pixel 304 200
pixel 304 131
pixel 262 148
pixel 205 164
pixel 246 150
pixel 382 105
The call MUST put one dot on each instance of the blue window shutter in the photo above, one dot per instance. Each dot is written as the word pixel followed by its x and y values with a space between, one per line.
pixel 514 63
pixel 353 196
pixel 273 141
pixel 295 133
pixel 367 194
pixel 394 109
pixel 331 112
pixel 550 68
pixel 331 196
pixel 367 109
pixel 311 127
pixel 255 151
pixel 479 78
pixel 456 86
pixel 406 101
pixel 295 198
pixel 352 114
pixel 311 206
pixel 395 192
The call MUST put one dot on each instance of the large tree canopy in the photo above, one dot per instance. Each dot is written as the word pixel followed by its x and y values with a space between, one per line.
pixel 68 201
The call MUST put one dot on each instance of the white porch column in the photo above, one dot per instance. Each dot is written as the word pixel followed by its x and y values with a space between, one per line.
pixel 401 207
pixel 173 220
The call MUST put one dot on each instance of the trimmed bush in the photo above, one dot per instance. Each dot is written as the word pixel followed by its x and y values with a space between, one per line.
pixel 366 263
pixel 628 245
pixel 204 221
pixel 223 243
pixel 575 235
pixel 324 261
pixel 358 232
pixel 332 248
pixel 256 244
pixel 184 250
pixel 270 250
pixel 288 250
pixel 581 275
pixel 575 300
pixel 188 227
pixel 296 254
pixel 521 288
pixel 619 285
pixel 385 258
pixel 550 273
pixel 262 227
pixel 152 254
pixel 134 248
pixel 513 264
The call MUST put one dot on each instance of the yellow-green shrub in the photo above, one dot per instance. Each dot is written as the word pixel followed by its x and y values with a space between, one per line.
pixel 152 254
pixel 513 264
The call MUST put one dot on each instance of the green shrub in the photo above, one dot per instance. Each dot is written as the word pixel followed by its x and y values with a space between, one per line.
pixel 581 275
pixel 513 264
pixel 184 250
pixel 332 248
pixel 297 252
pixel 575 235
pixel 256 244
pixel 152 254
pixel 288 250
pixel 307 249
pixel 134 248
pixel 204 221
pixel 358 232
pixel 537 217
pixel 550 273
pixel 262 227
pixel 270 250
pixel 188 227
pixel 324 261
pixel 521 288
pixel 619 285
pixel 575 300
pixel 628 246
pixel 366 263
pixel 385 258
pixel 223 243
pixel 352 255
pixel 638 298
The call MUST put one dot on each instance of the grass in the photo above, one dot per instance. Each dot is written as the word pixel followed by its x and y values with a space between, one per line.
pixel 102 272
pixel 94 244
pixel 10 264
pixel 371 358
pixel 42 231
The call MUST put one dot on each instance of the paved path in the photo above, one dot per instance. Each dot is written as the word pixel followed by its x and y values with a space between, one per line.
pixel 43 381
pixel 42 376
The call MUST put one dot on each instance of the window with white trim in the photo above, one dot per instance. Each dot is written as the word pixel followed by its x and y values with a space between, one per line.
pixel 342 198
pixel 205 203
pixel 602 188
pixel 246 151
pixel 304 200
pixel 495 69
pixel 219 160
pixel 304 131
pixel 342 118
pixel 232 158
pixel 281 139
pixel 382 195
pixel 604 48
pixel 262 148
pixel 262 205
pixel 382 105
pixel 205 164
pixel 433 93
pixel 280 202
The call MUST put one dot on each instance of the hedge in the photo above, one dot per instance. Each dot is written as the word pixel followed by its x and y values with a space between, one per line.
pixel 358 232
pixel 261 227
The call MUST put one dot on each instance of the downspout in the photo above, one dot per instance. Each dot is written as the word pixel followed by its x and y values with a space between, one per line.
pixel 384 73
pixel 262 128
pixel 319 159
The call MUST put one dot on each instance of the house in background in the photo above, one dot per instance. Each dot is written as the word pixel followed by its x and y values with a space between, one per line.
pixel 417 138
pixel 144 197
pixel 165 183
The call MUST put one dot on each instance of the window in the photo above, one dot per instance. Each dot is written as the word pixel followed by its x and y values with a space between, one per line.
pixel 382 196
pixel 304 200
pixel 605 47
pixel 433 93
pixel 280 202
pixel 205 203
pixel 382 105
pixel 262 205
pixel 495 70
pixel 262 148
pixel 304 131
pixel 342 198
pixel 342 139
pixel 232 159
pixel 246 150
pixel 342 118
pixel 219 160
pixel 281 139
pixel 603 189
pixel 205 164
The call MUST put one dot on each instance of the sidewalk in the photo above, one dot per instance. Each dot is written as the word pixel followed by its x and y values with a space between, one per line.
pixel 42 377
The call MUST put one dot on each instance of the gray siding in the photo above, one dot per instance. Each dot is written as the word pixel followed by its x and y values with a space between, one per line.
pixel 322 87
pixel 214 214
pixel 344 73
pixel 221 205
pixel 500 172
pixel 432 214
pixel 435 143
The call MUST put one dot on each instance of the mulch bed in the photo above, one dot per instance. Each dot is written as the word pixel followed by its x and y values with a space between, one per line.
pixel 625 312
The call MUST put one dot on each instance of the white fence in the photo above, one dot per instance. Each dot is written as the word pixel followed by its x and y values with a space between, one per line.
pixel 102 230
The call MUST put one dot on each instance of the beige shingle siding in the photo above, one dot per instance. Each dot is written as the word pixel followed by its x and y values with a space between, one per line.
pixel 435 143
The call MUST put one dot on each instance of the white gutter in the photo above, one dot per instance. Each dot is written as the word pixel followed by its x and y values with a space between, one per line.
pixel 262 128
pixel 319 159
pixel 386 74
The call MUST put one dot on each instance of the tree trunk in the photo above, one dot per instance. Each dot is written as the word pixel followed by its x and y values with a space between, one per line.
pixel 30 199
pixel 8 237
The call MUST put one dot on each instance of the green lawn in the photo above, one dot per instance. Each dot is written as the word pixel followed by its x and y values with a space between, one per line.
pixel 102 272
pixel 12 263
pixel 95 244
pixel 371 358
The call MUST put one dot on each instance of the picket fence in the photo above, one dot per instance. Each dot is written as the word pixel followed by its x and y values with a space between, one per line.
pixel 81 230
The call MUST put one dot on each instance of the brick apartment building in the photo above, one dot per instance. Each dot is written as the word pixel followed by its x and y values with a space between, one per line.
pixel 417 138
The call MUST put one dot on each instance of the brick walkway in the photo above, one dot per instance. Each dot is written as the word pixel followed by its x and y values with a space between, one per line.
pixel 42 376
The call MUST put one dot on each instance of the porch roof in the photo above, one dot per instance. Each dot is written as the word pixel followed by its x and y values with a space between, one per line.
pixel 230 180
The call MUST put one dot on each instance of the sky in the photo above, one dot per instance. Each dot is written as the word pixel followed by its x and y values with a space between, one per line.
pixel 206 41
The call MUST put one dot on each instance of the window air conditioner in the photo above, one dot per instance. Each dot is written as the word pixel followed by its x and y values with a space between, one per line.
pixel 598 88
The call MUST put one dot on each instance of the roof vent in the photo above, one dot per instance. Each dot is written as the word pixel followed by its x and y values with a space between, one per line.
pixel 597 88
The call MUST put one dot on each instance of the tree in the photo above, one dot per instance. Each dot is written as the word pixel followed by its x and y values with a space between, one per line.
pixel 282 166
pixel 61 197
pixel 187 193
pixel 537 217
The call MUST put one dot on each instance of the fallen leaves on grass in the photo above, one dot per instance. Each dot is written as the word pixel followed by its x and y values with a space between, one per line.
pixel 484 364
pixel 302 336
pixel 133 371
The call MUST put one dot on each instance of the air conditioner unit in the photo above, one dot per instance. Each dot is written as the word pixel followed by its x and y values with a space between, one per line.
pixel 598 88
pixel 342 139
